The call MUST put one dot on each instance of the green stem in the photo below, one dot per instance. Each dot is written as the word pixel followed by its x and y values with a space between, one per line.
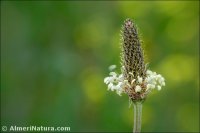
pixel 137 117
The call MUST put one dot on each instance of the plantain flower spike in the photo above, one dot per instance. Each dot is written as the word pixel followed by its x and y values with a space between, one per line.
pixel 135 79
pixel 132 54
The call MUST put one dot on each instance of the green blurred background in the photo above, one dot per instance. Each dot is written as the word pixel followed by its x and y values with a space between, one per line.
pixel 55 55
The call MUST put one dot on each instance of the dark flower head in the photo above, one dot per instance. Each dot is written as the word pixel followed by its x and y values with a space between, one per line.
pixel 132 53
pixel 135 80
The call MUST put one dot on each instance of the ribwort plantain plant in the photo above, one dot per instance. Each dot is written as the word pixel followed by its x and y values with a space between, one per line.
pixel 135 79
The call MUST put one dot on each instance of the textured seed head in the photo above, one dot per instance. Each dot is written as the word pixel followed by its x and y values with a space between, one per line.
pixel 135 80
pixel 132 53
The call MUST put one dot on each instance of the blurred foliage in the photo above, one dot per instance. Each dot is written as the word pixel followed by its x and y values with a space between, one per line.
pixel 55 55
